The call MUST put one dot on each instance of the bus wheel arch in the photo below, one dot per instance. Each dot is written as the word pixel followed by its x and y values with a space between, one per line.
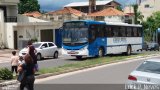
pixel 129 50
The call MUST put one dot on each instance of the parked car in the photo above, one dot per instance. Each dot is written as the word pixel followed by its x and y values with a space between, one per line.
pixel 153 46
pixel 147 73
pixel 144 46
pixel 44 49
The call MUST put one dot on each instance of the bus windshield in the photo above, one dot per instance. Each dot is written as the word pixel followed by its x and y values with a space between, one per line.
pixel 75 33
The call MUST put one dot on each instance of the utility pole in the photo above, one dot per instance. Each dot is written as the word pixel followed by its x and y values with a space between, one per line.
pixel 92 6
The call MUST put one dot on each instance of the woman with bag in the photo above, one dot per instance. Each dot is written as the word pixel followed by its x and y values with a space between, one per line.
pixel 31 52
pixel 28 77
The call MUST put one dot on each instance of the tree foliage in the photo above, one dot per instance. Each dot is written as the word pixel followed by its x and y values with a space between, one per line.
pixel 151 25
pixel 28 6
pixel 119 8
pixel 138 17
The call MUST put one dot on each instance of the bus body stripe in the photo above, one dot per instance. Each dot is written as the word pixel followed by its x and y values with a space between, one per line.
pixel 123 45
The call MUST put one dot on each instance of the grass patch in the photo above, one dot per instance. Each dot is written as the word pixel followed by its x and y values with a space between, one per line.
pixel 90 62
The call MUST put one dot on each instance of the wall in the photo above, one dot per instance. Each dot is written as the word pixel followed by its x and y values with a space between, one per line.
pixel 114 19
pixel 27 32
pixel 9 2
pixel 154 5
pixel 22 18
pixel 10 35
pixel 12 10
pixel 1 26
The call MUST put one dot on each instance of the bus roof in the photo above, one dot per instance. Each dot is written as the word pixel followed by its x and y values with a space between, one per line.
pixel 88 21
pixel 107 23
pixel 123 24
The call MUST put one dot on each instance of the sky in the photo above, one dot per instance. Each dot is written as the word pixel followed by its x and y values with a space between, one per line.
pixel 52 5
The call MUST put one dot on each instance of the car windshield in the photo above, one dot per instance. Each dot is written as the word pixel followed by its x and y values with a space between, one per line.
pixel 36 45
pixel 149 66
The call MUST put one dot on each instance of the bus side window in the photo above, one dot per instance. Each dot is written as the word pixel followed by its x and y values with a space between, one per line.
pixel 115 31
pixel 108 31
pixel 122 31
pixel 99 30
pixel 139 32
pixel 135 33
pixel 92 33
pixel 129 31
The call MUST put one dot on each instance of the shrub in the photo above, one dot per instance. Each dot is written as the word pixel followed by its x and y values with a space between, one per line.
pixel 5 74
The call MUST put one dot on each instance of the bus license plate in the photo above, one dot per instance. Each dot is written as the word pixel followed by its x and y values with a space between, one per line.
pixel 72 52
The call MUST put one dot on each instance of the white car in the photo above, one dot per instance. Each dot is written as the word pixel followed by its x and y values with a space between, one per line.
pixel 147 73
pixel 44 49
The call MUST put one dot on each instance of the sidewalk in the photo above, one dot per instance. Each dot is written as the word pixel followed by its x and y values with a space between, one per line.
pixel 7 52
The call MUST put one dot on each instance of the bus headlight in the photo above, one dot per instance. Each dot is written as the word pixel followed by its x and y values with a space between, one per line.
pixel 84 48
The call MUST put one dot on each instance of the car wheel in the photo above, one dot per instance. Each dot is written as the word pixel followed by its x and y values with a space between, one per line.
pixel 55 55
pixel 39 57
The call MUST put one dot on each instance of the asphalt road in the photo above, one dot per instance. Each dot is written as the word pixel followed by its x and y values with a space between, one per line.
pixel 107 77
pixel 50 62
pixel 109 74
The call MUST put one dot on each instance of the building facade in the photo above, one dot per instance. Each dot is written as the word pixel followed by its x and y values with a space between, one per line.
pixel 64 14
pixel 100 5
pixel 108 15
pixel 148 7
pixel 16 30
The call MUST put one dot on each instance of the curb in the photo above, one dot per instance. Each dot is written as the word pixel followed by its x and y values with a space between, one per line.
pixel 12 82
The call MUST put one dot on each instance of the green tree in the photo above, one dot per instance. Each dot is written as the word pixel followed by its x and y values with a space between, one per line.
pixel 135 8
pixel 151 25
pixel 138 17
pixel 28 6
pixel 119 8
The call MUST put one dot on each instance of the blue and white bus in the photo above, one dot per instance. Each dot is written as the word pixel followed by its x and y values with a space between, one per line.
pixel 93 38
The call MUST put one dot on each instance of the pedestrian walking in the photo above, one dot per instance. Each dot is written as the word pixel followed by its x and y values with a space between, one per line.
pixel 31 52
pixel 28 68
pixel 14 62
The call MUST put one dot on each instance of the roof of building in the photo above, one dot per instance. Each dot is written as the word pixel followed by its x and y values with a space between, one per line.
pixel 108 12
pixel 67 10
pixel 75 4
pixel 35 14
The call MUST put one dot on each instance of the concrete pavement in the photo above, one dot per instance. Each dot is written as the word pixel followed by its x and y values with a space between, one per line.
pixel 5 55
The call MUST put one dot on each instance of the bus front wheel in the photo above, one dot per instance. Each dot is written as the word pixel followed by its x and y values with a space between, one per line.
pixel 100 52
pixel 79 57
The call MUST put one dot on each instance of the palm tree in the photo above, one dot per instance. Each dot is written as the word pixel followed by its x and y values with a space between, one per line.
pixel 138 17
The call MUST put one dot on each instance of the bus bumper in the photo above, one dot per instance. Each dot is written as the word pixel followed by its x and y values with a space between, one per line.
pixel 81 52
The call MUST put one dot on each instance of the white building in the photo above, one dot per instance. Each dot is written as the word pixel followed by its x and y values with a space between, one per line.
pixel 148 7
pixel 16 30
pixel 108 15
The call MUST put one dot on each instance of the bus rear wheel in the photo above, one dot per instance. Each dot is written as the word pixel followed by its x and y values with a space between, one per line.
pixel 129 49
pixel 79 57
pixel 100 52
